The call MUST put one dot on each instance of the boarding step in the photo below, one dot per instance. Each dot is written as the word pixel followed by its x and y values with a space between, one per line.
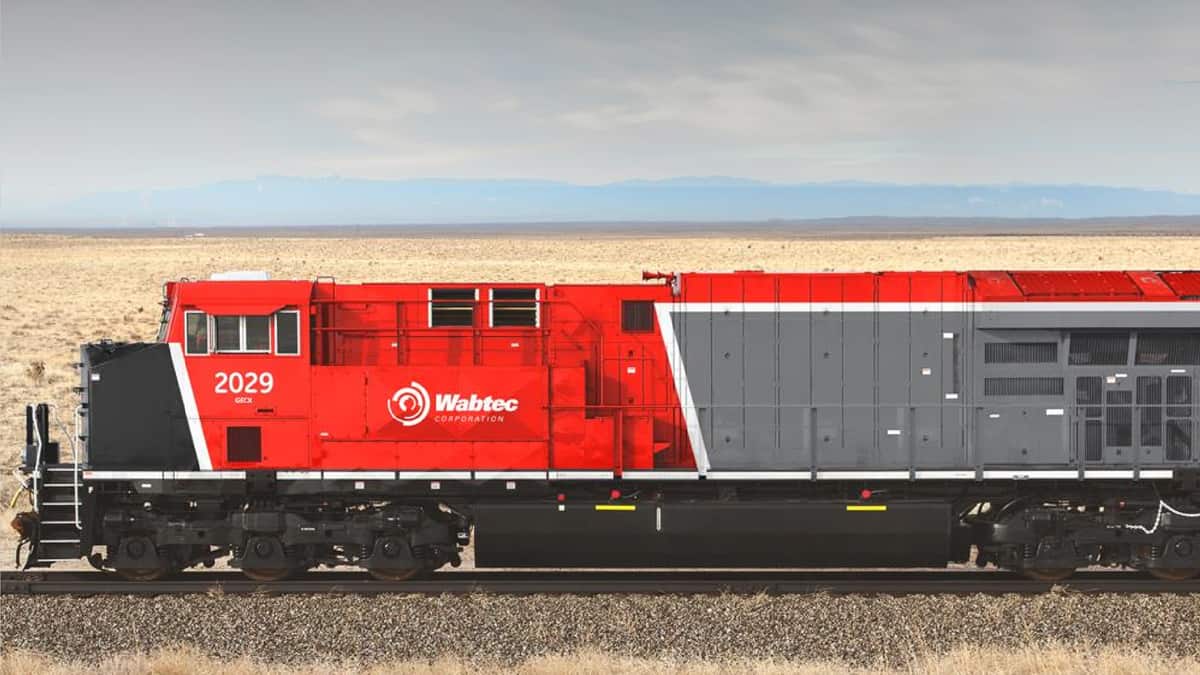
pixel 57 493
pixel 58 549
pixel 57 513
pixel 64 529
pixel 58 482
pixel 59 468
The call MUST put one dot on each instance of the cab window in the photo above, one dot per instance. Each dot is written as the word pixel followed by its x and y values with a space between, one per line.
pixel 287 332
pixel 243 333
pixel 196 329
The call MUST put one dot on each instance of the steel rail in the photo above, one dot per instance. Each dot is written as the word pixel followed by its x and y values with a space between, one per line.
pixel 592 582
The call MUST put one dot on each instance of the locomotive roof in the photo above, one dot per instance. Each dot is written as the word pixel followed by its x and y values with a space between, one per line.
pixel 988 285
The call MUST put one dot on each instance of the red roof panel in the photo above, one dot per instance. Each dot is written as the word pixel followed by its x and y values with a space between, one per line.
pixel 1185 284
pixel 1099 285
pixel 1152 285
pixel 995 286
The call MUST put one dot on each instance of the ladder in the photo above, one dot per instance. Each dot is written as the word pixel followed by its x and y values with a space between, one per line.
pixel 57 498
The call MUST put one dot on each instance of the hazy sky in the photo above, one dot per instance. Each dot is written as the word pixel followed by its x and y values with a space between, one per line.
pixel 102 96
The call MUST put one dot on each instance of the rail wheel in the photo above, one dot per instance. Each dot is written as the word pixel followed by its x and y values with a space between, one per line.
pixel 1176 574
pixel 148 574
pixel 267 573
pixel 384 574
pixel 1048 574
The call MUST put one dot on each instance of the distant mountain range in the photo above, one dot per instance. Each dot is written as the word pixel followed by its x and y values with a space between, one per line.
pixel 275 201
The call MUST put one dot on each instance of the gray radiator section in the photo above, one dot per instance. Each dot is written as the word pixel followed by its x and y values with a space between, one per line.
pixel 800 391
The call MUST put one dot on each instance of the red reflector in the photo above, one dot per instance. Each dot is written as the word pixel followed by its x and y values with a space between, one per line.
pixel 615 494
pixel 865 494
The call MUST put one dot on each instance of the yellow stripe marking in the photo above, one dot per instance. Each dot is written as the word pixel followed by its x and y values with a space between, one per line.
pixel 616 507
pixel 866 507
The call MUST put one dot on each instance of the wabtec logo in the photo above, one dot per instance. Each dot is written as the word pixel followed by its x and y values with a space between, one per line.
pixel 410 406
pixel 475 403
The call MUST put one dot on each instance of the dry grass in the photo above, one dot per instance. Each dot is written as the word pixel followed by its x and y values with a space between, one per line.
pixel 1051 659
pixel 59 291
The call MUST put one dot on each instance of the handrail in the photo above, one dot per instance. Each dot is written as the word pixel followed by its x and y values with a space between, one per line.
pixel 37 462
pixel 76 441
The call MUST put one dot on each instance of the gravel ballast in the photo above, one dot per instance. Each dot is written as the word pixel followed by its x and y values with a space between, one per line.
pixel 510 629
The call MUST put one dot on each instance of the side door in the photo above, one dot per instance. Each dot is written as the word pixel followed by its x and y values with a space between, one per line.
pixel 1166 416
pixel 1104 419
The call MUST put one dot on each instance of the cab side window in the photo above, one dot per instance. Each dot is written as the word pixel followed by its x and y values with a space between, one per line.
pixel 287 332
pixel 258 333
pixel 229 333
pixel 196 333
pixel 242 333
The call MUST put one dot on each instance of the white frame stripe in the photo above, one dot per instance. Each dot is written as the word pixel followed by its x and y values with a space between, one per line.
pixel 683 389
pixel 510 475
pixel 189 407
pixel 204 475
pixel 359 475
pixel 759 475
pixel 660 475
pixel 298 475
pixel 433 475
pixel 580 475
pixel 122 475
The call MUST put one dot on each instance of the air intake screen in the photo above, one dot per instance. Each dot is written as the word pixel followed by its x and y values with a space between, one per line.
pixel 451 307
pixel 1020 352
pixel 1099 349
pixel 1176 349
pixel 243 444
pixel 637 316
pixel 1179 440
pixel 1023 386
pixel 514 307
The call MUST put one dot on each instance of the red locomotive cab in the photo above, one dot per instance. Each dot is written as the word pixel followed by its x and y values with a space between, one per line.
pixel 242 353
pixel 449 381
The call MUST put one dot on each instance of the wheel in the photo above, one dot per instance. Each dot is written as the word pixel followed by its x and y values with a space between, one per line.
pixel 384 574
pixel 148 574
pixel 267 573
pixel 1048 574
pixel 1174 574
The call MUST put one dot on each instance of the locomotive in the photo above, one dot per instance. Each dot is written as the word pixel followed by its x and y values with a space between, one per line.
pixel 1033 421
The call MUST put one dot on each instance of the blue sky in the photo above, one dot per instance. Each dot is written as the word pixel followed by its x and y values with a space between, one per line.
pixel 99 97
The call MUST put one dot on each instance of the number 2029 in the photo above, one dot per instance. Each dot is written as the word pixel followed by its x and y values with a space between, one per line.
pixel 244 383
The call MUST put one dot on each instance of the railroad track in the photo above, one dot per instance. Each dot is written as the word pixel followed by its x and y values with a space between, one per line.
pixel 592 582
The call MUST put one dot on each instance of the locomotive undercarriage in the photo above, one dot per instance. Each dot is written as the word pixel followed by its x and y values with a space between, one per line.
pixel 270 531
pixel 1049 539
pixel 147 537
